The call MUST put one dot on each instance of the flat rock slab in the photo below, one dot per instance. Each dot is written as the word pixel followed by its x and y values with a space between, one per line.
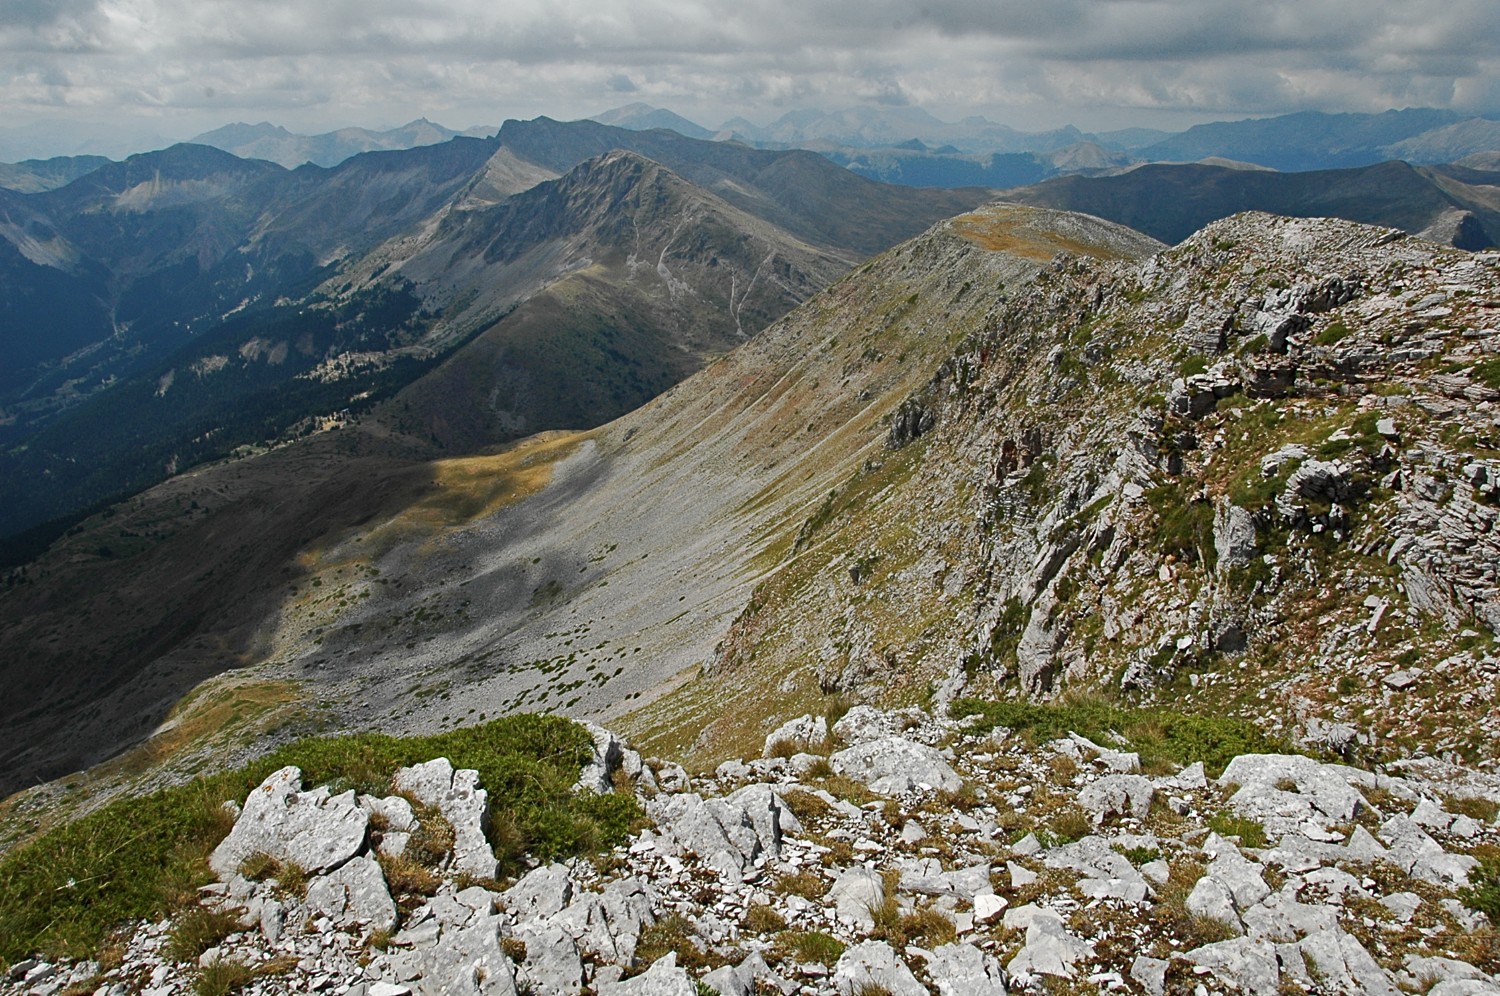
pixel 663 978
pixel 1284 791
pixel 892 765
pixel 874 963
pixel 964 970
pixel 1117 795
pixel 313 830
pixel 354 895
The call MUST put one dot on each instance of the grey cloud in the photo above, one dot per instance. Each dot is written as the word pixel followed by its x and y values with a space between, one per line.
pixel 1028 63
pixel 34 14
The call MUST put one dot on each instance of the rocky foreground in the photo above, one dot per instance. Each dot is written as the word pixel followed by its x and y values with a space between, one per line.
pixel 919 856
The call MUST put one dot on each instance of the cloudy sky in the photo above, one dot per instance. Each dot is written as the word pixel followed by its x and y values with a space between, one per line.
pixel 134 72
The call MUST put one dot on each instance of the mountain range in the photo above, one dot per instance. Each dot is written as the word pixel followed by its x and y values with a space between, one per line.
pixel 1451 204
pixel 198 302
pixel 310 556
pixel 577 416
pixel 277 145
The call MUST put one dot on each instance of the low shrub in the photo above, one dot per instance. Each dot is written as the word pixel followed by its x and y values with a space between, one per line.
pixel 1482 895
pixel 762 919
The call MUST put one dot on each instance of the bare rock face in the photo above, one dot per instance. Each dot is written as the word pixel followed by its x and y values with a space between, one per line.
pixel 1117 795
pixel 965 970
pixel 798 734
pixel 1234 534
pixel 663 978
pixel 314 830
pixel 608 756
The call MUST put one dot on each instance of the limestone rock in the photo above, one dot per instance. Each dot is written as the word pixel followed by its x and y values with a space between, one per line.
pixel 539 893
pixel 895 764
pixel 862 723
pixel 1117 795
pixel 1234 534
pixel 455 951
pixel 1248 964
pixel 800 733
pixel 457 795
pixel 1049 949
pixel 312 829
pixel 740 980
pixel 856 894
pixel 729 833
pixel 354 894
pixel 1088 752
pixel 663 978
pixel 874 963
pixel 1211 898
pixel 964 970
pixel 608 925
pixel 1151 973
pixel 608 752
pixel 553 966
pixel 1283 791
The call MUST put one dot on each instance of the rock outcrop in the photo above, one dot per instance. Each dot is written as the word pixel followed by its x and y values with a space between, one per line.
pixel 1337 880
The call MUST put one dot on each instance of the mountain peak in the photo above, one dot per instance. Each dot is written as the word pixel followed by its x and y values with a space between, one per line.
pixel 643 117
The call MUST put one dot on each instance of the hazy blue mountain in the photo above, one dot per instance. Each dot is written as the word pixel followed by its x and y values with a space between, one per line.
pixel 34 175
pixel 171 308
pixel 644 117
pixel 1306 140
pixel 277 145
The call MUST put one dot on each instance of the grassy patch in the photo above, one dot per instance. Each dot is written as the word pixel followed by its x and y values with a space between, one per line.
pixel 807 884
pixel 1158 735
pixel 762 919
pixel 222 978
pixel 140 857
pixel 1184 525
pixel 1250 833
pixel 290 876
pixel 1335 331
pixel 1482 895
pixel 1487 372
pixel 674 933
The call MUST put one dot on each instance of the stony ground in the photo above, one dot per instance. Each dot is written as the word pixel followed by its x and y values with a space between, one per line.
pixel 894 853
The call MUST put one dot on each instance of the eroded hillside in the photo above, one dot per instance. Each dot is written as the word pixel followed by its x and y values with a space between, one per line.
pixel 1253 475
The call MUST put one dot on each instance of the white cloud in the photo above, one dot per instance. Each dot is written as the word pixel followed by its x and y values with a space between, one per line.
pixel 187 65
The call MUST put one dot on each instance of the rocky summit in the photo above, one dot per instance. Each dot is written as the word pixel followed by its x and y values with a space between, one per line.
pixel 891 852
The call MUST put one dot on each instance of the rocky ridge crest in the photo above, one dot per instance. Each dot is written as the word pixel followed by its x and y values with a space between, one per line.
pixel 1255 473
pixel 895 850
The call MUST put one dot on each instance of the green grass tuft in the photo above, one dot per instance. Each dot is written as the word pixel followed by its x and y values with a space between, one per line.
pixel 1250 833
pixel 197 930
pixel 810 946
